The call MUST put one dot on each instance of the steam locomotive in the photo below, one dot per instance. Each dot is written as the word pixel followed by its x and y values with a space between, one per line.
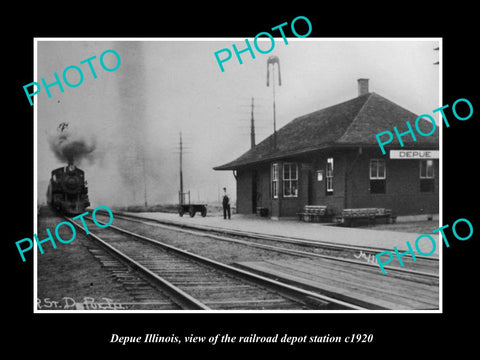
pixel 67 191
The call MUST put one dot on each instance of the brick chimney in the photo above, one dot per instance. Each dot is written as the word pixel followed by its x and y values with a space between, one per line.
pixel 362 87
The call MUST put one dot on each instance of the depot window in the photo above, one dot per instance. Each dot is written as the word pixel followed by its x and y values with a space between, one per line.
pixel 290 180
pixel 378 176
pixel 427 181
pixel 275 181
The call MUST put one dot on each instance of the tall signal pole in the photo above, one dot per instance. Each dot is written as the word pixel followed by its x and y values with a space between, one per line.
pixel 252 130
pixel 274 60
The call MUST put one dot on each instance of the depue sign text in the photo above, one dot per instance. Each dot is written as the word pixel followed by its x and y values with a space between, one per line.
pixel 413 154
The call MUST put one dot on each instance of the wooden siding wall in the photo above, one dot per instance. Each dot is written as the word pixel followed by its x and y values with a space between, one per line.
pixel 244 189
pixel 402 195
pixel 402 192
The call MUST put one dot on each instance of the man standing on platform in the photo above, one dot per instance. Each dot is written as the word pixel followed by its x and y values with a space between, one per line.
pixel 226 204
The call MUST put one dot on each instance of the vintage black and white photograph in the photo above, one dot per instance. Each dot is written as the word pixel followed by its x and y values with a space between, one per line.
pixel 232 175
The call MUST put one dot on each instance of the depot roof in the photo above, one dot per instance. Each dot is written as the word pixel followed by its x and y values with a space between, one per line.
pixel 351 123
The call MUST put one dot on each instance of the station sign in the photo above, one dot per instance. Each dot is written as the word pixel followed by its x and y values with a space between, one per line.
pixel 414 154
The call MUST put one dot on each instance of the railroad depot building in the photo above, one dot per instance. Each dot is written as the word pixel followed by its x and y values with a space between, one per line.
pixel 331 157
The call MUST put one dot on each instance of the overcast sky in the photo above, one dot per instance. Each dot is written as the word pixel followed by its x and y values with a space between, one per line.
pixel 134 115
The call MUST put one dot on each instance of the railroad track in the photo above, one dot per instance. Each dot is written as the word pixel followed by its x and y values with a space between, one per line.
pixel 424 269
pixel 146 296
pixel 195 282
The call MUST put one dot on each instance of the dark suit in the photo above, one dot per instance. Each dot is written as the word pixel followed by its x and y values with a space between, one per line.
pixel 226 206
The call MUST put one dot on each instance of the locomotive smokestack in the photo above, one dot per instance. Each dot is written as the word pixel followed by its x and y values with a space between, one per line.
pixel 71 166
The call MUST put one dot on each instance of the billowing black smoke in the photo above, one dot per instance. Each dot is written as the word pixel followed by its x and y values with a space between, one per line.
pixel 72 146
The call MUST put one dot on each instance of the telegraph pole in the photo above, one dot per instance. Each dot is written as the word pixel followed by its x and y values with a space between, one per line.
pixel 181 171
pixel 181 152
pixel 144 181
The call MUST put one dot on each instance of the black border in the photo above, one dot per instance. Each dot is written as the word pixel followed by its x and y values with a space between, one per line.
pixel 408 334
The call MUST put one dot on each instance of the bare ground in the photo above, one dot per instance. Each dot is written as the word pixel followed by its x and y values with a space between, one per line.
pixel 69 273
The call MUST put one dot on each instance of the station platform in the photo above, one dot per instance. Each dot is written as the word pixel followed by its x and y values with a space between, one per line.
pixel 355 236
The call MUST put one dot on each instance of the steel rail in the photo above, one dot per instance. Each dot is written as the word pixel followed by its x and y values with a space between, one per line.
pixel 291 291
pixel 261 236
pixel 202 232
pixel 179 296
